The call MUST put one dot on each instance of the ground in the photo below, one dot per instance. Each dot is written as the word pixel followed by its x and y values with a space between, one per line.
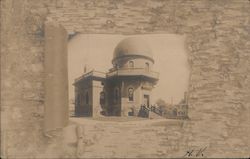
pixel 126 137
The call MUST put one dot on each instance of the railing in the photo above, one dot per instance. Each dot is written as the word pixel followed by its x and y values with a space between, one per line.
pixel 91 73
pixel 156 110
pixel 145 108
pixel 133 71
pixel 144 112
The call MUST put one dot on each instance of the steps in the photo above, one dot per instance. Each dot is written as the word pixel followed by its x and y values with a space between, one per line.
pixel 151 112
pixel 153 115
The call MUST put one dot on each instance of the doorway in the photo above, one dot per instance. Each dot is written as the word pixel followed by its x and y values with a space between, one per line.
pixel 146 100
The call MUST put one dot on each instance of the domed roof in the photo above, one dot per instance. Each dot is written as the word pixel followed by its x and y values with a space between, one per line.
pixel 132 46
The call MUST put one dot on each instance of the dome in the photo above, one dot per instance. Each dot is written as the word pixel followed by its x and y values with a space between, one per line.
pixel 133 47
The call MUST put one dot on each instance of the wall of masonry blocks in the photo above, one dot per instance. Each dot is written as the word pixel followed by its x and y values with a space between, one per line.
pixel 218 43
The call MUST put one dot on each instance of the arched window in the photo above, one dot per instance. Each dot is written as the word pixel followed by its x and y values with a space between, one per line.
pixel 102 98
pixel 116 95
pixel 147 66
pixel 87 97
pixel 131 64
pixel 131 94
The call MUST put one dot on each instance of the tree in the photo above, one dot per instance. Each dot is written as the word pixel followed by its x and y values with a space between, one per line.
pixel 161 104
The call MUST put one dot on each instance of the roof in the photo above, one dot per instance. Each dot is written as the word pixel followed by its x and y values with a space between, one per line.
pixel 133 46
pixel 95 75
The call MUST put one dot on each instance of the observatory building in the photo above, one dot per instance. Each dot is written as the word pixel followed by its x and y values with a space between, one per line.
pixel 124 88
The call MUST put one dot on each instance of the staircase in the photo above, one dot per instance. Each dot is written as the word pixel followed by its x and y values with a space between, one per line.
pixel 156 113
pixel 150 112
pixel 144 111
pixel 153 112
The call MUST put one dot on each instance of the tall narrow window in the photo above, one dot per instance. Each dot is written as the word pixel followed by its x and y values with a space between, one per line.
pixel 147 66
pixel 116 95
pixel 131 64
pixel 78 99
pixel 87 97
pixel 131 94
pixel 81 98
pixel 102 98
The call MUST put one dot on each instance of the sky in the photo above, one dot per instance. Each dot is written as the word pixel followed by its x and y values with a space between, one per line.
pixel 96 52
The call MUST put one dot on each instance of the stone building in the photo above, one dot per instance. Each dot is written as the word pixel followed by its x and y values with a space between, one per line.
pixel 124 88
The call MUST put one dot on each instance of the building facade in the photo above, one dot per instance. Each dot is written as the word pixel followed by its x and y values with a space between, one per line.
pixel 124 88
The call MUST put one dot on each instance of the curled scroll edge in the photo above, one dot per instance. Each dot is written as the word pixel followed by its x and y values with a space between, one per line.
pixel 56 114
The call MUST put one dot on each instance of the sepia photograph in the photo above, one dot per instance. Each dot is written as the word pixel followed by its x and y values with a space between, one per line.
pixel 126 74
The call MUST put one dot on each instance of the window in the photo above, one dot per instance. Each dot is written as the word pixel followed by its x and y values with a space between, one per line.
pixel 81 98
pixel 102 98
pixel 116 95
pixel 78 99
pixel 131 94
pixel 131 64
pixel 147 66
pixel 87 97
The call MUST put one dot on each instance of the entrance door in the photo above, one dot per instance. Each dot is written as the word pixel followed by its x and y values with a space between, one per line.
pixel 146 100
